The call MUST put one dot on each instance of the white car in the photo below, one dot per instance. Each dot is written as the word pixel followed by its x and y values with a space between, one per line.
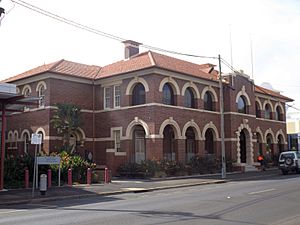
pixel 289 161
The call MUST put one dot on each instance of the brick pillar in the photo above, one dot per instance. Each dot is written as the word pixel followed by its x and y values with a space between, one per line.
pixel 200 146
pixel 154 148
pixel 181 150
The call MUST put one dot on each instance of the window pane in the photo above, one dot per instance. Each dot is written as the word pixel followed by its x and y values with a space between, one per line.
pixel 168 95
pixel 208 102
pixel 107 98
pixel 268 112
pixel 241 105
pixel 117 137
pixel 117 96
pixel 189 100
pixel 138 95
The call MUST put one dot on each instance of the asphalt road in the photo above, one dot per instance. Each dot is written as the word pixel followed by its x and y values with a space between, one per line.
pixel 274 200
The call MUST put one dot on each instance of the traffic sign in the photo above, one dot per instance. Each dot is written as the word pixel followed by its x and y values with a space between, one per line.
pixel 36 139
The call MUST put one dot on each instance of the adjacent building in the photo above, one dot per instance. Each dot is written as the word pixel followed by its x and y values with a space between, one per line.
pixel 149 106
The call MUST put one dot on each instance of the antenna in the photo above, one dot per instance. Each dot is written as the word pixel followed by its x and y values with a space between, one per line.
pixel 230 44
pixel 251 57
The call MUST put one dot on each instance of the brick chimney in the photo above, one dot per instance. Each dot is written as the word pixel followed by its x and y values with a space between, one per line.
pixel 131 48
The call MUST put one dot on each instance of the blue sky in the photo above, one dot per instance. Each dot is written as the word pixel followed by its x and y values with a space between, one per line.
pixel 192 26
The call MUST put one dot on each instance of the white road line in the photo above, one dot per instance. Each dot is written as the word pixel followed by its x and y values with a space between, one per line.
pixel 263 191
pixel 14 211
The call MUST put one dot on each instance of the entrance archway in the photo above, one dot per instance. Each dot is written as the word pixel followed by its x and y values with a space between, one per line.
pixel 245 148
pixel 169 152
pixel 139 144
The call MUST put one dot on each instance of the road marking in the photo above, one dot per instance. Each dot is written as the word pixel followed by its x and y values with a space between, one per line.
pixel 14 211
pixel 263 191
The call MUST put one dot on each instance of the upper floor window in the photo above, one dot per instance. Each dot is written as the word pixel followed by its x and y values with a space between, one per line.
pixel 268 112
pixel 189 99
pixel 168 95
pixel 278 114
pixel 257 110
pixel 241 105
pixel 208 101
pixel 106 98
pixel 138 94
pixel 117 94
pixel 41 94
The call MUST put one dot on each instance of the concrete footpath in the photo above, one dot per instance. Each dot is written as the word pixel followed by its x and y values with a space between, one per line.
pixel 119 186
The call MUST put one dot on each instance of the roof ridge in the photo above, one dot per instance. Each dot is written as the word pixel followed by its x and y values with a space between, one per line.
pixel 153 63
pixel 56 64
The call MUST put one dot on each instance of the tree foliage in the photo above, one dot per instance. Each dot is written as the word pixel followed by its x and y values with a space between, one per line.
pixel 66 120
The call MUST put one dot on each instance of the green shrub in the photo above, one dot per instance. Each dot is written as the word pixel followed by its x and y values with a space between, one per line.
pixel 78 165
pixel 14 167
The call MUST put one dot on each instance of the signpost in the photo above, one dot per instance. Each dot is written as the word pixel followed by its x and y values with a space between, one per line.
pixel 36 139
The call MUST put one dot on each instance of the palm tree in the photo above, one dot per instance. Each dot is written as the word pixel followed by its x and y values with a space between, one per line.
pixel 66 121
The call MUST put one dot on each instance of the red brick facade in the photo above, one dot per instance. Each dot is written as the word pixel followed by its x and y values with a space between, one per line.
pixel 143 127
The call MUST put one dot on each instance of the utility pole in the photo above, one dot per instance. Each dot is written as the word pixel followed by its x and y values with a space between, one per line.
pixel 222 121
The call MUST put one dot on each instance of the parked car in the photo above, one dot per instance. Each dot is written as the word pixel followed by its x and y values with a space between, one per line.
pixel 289 161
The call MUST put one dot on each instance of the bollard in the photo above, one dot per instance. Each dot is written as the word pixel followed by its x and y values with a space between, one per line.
pixel 26 178
pixel 70 177
pixel 49 178
pixel 43 184
pixel 89 176
pixel 105 175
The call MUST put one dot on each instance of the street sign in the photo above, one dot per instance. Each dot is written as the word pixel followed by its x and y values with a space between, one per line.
pixel 48 160
pixel 36 139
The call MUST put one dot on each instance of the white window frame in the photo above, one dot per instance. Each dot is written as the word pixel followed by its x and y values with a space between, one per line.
pixel 41 96
pixel 117 140
pixel 117 98
pixel 107 99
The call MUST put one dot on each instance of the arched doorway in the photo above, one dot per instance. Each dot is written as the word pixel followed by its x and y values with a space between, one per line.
pixel 280 143
pixel 209 142
pixel 169 152
pixel 245 147
pixel 269 146
pixel 139 144
pixel 190 144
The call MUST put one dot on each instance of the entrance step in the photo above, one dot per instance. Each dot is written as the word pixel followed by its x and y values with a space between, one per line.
pixel 249 168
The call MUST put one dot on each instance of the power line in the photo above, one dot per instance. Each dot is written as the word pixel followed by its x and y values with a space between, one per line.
pixel 96 31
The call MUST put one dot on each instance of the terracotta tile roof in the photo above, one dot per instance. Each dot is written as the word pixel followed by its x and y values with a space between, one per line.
pixel 153 59
pixel 141 61
pixel 61 67
pixel 265 91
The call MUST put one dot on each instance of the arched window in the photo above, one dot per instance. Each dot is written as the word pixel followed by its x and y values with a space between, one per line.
pixel 41 146
pixel 169 144
pixel 26 92
pixel 268 112
pixel 16 140
pixel 208 101
pixel 190 144
pixel 26 142
pixel 269 146
pixel 209 141
pixel 278 114
pixel 189 99
pixel 138 94
pixel 257 110
pixel 41 94
pixel 241 105
pixel 280 143
pixel 168 95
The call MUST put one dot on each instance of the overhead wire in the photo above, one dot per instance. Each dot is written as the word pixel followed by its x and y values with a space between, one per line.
pixel 96 31
pixel 115 37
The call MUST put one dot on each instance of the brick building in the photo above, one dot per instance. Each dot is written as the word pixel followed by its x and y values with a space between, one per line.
pixel 150 106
